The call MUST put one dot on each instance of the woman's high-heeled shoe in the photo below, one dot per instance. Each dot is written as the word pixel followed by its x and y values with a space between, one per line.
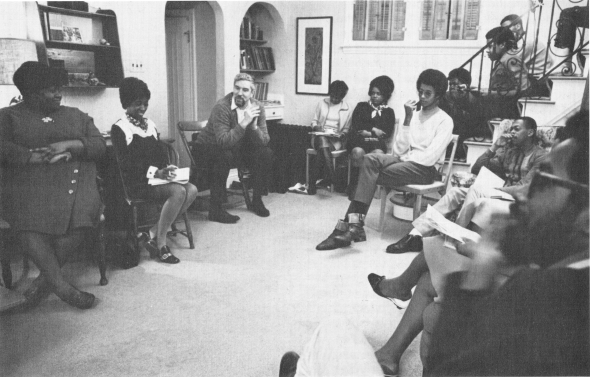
pixel 375 280
pixel 166 255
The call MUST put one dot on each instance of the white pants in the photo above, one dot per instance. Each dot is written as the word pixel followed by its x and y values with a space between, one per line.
pixel 338 348
pixel 459 197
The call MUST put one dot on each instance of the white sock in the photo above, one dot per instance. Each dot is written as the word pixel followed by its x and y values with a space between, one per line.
pixel 414 232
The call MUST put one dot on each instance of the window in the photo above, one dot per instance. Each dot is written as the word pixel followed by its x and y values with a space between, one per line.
pixel 381 20
pixel 449 19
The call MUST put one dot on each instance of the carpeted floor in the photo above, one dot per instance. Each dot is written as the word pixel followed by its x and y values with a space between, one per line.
pixel 245 295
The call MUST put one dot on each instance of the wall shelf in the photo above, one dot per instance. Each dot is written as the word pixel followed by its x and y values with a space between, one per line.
pixel 85 44
pixel 78 46
pixel 252 41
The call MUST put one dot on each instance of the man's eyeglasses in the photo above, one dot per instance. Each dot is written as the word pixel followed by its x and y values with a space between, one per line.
pixel 542 181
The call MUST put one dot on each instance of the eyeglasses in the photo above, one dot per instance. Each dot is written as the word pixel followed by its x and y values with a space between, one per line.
pixel 542 181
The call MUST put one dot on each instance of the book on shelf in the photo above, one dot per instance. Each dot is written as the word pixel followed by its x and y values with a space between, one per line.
pixel 260 91
pixel 245 28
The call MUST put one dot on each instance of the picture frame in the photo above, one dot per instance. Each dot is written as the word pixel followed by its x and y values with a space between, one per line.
pixel 313 63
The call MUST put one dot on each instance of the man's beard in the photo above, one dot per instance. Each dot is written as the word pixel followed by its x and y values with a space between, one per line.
pixel 544 243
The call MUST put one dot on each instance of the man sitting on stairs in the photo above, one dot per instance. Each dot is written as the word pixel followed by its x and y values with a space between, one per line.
pixel 513 157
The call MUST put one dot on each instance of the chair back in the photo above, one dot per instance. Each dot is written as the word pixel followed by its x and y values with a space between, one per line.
pixel 185 126
pixel 445 177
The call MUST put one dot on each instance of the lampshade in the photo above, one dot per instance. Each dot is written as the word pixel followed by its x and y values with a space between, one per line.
pixel 13 53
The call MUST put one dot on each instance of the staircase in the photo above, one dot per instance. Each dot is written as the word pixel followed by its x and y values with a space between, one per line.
pixel 566 98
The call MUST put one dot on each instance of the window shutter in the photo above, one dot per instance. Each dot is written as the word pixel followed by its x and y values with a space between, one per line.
pixel 384 20
pixel 399 20
pixel 427 19
pixel 456 27
pixel 472 8
pixel 372 19
pixel 441 19
pixel 360 9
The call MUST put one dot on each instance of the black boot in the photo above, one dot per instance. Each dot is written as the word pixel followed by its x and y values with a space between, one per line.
pixel 329 243
pixel 355 231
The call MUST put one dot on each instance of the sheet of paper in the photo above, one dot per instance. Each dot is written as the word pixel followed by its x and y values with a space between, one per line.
pixel 328 134
pixel 487 179
pixel 437 221
pixel 182 176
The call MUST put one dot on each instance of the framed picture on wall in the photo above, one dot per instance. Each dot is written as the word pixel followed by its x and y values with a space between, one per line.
pixel 313 64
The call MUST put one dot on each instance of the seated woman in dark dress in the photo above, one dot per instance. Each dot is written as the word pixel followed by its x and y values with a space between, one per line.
pixel 50 197
pixel 142 157
pixel 373 123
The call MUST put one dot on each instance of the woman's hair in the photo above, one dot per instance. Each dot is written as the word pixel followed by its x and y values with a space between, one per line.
pixel 385 86
pixel 434 78
pixel 31 77
pixel 132 89
pixel 338 88
pixel 460 74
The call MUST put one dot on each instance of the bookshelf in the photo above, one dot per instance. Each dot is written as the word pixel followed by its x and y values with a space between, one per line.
pixel 255 58
pixel 85 44
pixel 257 32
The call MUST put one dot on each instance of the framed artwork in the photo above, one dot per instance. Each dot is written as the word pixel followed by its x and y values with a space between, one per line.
pixel 313 64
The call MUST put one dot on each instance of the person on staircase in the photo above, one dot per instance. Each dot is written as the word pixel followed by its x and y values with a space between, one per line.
pixel 535 56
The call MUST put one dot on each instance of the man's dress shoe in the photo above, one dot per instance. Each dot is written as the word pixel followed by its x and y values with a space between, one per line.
pixel 406 244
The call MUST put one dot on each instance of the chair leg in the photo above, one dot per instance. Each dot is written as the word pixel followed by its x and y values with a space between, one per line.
pixel 189 231
pixel 349 167
pixel 135 230
pixel 334 177
pixel 383 193
pixel 417 206
pixel 5 262
pixel 101 254
pixel 307 169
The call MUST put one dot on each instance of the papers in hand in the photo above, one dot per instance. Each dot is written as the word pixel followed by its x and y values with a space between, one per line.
pixel 323 133
pixel 436 220
pixel 182 176
pixel 487 179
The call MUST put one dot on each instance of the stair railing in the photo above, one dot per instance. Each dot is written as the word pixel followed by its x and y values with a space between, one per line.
pixel 568 67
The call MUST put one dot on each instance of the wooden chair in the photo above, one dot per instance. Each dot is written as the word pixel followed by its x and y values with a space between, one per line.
pixel 134 204
pixel 335 154
pixel 195 127
pixel 420 190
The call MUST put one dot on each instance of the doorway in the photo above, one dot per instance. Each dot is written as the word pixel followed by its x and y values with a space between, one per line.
pixel 191 56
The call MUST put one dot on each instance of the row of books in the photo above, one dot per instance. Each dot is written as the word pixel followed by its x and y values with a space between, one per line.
pixel 249 30
pixel 261 91
pixel 260 58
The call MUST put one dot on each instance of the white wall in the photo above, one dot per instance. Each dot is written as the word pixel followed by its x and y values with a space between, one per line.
pixel 141 33
pixel 142 36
